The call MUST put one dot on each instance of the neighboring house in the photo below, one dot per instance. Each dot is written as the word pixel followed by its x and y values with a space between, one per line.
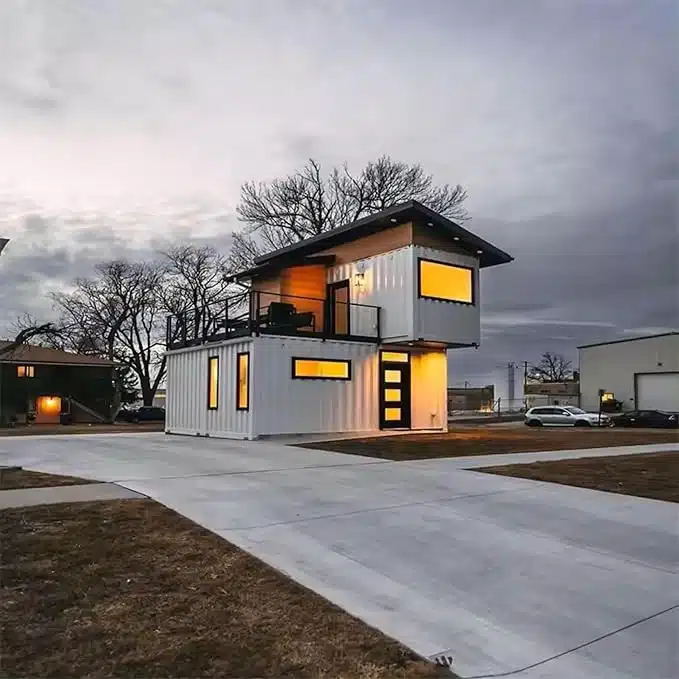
pixel 343 332
pixel 46 383
pixel 641 372
pixel 471 398
pixel 552 393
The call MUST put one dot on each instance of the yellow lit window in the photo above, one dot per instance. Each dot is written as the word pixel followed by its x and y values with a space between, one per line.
pixel 319 369
pixel 394 357
pixel 25 371
pixel 446 282
pixel 243 385
pixel 392 394
pixel 392 376
pixel 392 414
pixel 212 382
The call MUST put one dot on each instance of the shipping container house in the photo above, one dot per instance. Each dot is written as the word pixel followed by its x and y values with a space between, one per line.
pixel 344 332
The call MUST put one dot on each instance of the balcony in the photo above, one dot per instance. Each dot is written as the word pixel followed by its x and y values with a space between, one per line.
pixel 258 313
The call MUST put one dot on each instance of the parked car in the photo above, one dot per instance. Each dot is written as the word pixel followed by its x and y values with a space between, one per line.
pixel 564 416
pixel 149 414
pixel 647 418
pixel 142 414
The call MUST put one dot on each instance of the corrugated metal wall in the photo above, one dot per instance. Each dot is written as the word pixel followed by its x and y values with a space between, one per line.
pixel 187 384
pixel 283 405
pixel 446 321
pixel 388 282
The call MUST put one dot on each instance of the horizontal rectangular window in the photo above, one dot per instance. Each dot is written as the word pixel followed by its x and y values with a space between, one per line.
pixel 392 394
pixel 392 376
pixel 320 369
pixel 446 282
pixel 213 382
pixel 25 371
pixel 392 414
pixel 243 381
pixel 395 357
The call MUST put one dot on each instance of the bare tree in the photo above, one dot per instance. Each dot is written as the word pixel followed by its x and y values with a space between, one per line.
pixel 29 331
pixel 195 289
pixel 307 203
pixel 552 368
pixel 116 315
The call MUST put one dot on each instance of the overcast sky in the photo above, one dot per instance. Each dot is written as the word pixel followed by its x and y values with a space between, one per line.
pixel 125 123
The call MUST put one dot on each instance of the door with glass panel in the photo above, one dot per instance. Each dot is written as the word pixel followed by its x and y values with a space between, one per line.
pixel 394 390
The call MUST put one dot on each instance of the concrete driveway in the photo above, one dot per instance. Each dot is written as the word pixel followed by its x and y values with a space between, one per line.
pixel 504 575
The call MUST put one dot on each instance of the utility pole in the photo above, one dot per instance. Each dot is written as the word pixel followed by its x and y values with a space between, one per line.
pixel 510 383
pixel 525 375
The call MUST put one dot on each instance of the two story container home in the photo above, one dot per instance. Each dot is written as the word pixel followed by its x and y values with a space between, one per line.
pixel 343 332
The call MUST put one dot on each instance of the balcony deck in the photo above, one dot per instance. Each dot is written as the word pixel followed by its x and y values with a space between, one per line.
pixel 257 313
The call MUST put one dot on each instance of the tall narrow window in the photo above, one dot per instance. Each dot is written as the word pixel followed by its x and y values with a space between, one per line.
pixel 243 381
pixel 446 282
pixel 213 382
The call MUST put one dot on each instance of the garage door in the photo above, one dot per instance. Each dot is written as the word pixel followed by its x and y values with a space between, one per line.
pixel 659 391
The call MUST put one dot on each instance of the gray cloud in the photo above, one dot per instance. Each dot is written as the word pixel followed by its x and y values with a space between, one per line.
pixel 125 125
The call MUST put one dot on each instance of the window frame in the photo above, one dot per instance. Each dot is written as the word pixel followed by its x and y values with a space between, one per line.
pixel 240 407
pixel 345 361
pixel 471 269
pixel 210 359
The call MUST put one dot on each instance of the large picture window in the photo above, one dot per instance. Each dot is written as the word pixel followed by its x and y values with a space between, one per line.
pixel 446 282
pixel 213 382
pixel 320 369
pixel 243 381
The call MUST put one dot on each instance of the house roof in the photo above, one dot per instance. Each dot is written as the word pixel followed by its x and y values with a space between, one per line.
pixel 29 353
pixel 628 339
pixel 411 211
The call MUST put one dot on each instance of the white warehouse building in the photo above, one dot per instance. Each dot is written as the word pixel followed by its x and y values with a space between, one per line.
pixel 641 372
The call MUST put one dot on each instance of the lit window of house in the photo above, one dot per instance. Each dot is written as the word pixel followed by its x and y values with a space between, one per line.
pixel 25 371
pixel 446 282
pixel 213 382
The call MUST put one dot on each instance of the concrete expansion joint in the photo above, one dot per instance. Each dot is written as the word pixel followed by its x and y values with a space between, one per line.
pixel 367 510
pixel 513 673
pixel 252 471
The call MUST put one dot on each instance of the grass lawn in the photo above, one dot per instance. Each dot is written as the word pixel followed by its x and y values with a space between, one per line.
pixel 653 475
pixel 132 589
pixel 463 441
pixel 21 478
pixel 52 429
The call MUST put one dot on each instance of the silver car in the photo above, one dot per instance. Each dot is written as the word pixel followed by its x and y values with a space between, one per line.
pixel 564 416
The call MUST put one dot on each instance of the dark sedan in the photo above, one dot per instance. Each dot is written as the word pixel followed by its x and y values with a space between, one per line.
pixel 647 418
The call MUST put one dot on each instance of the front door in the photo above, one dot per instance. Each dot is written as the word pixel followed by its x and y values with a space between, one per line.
pixel 338 308
pixel 394 390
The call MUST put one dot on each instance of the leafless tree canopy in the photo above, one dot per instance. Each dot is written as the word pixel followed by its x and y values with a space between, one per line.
pixel 552 368
pixel 307 203
pixel 29 331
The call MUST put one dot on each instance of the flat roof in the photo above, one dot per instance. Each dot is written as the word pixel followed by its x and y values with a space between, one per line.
pixel 629 339
pixel 410 211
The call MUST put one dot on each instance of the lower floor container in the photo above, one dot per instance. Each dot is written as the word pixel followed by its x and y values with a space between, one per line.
pixel 268 385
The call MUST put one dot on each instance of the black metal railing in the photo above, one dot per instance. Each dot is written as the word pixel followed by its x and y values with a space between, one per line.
pixel 260 312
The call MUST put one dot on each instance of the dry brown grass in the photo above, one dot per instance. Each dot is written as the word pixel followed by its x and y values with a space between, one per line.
pixel 462 441
pixel 21 478
pixel 53 429
pixel 653 475
pixel 131 589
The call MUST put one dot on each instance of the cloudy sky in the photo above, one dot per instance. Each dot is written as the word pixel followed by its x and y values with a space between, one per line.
pixel 127 123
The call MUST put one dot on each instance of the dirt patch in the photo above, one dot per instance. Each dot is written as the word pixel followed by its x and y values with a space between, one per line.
pixel 461 442
pixel 21 478
pixel 132 589
pixel 56 429
pixel 653 475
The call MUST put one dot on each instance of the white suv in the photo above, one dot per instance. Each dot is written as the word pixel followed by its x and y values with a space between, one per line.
pixel 565 416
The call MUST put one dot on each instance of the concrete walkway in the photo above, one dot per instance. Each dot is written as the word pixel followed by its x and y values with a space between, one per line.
pixel 29 497
pixel 505 575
